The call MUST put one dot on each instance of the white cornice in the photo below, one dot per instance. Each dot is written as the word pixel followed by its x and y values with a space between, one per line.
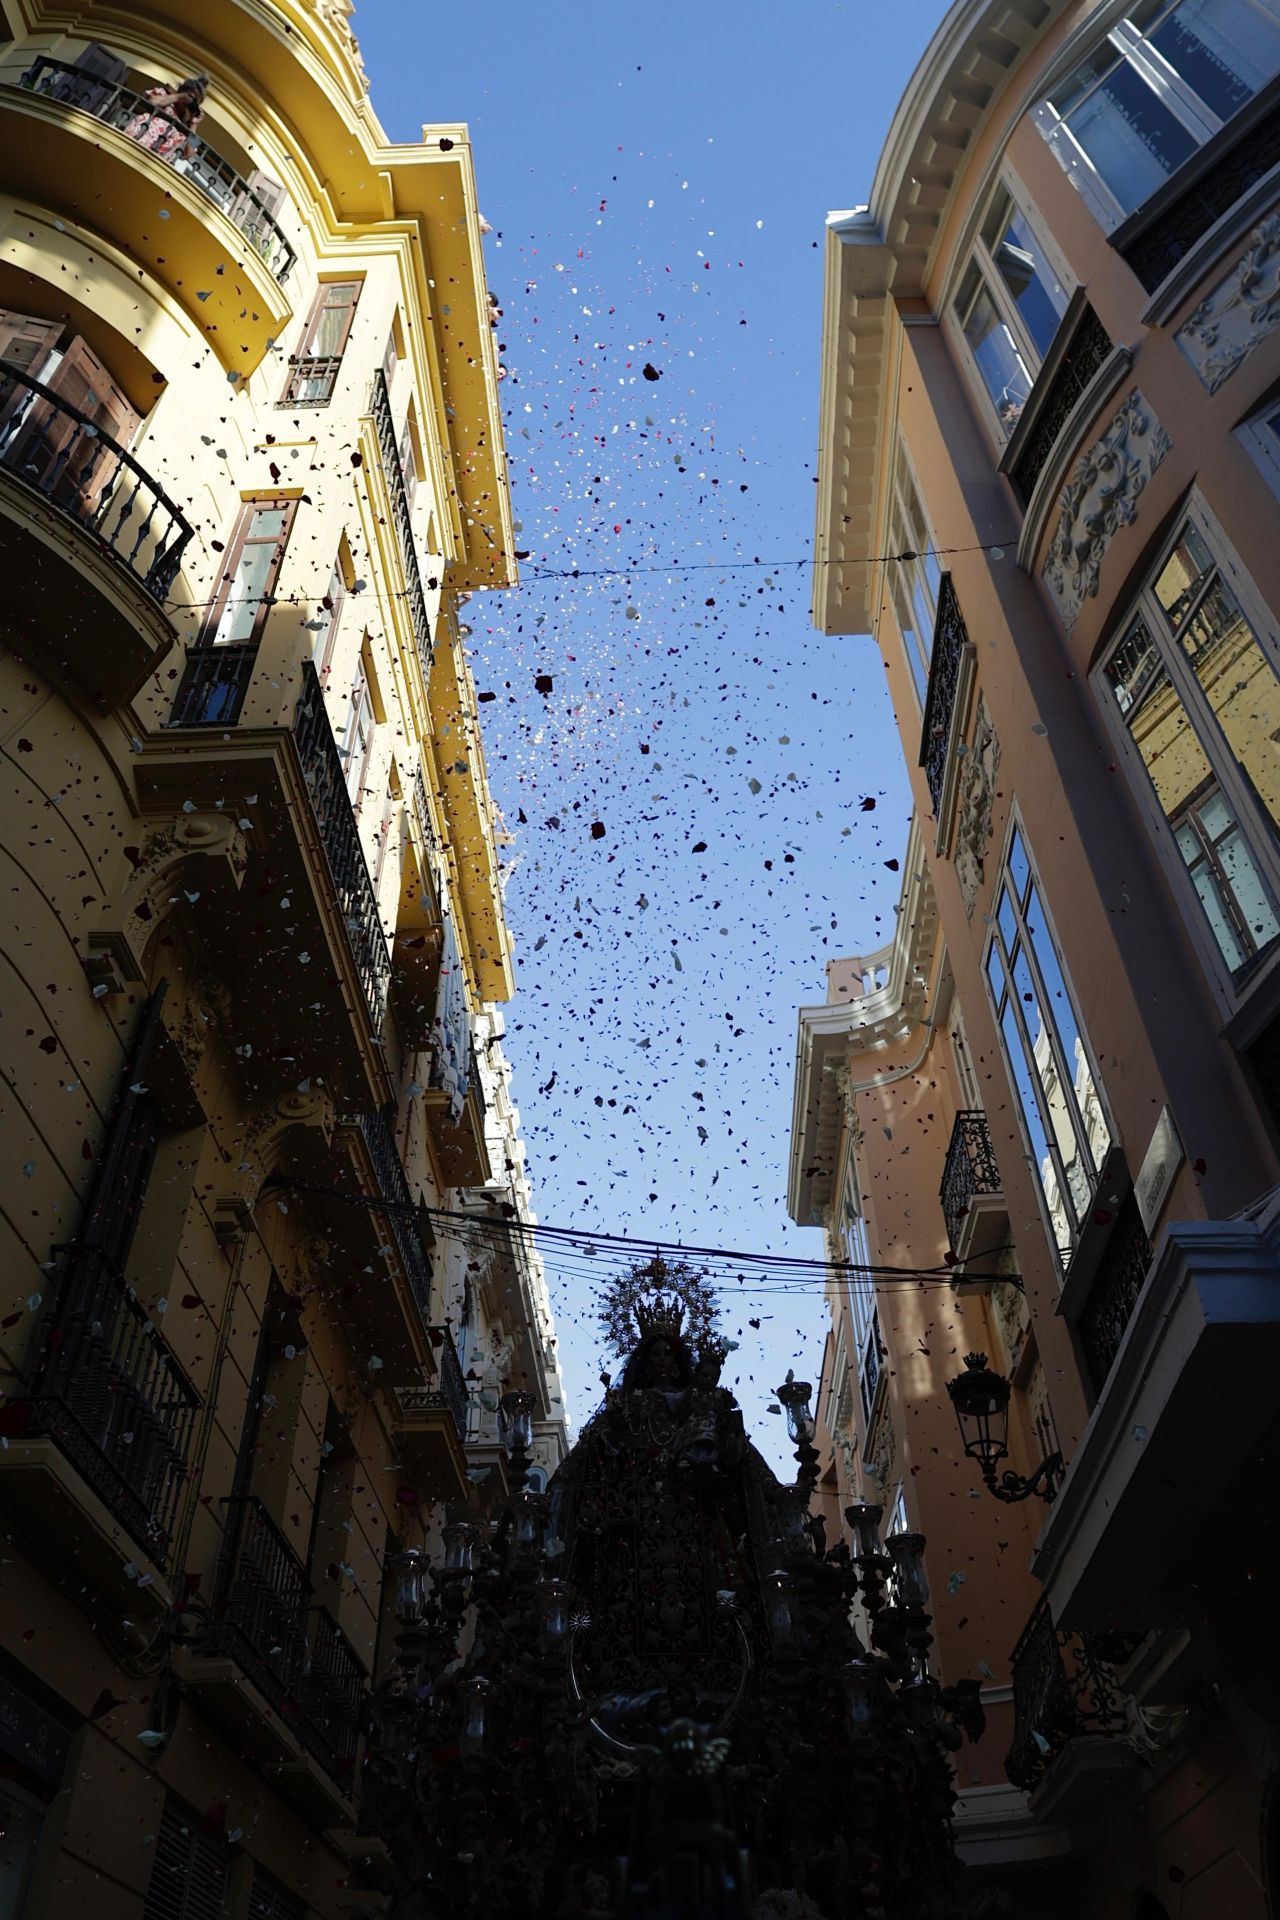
pixel 831 1036
pixel 884 252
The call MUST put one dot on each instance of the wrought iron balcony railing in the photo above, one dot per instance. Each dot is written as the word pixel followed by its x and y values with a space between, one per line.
pixel 333 1691
pixel 331 803
pixel 449 1395
pixel 970 1169
pixel 293 1651
pixel 166 137
pixel 1157 247
pixel 1064 1686
pixel 1089 346
pixel 379 1138
pixel 111 1394
pixel 213 686
pixel 312 378
pixel 950 639
pixel 1114 1292
pixel 57 450
pixel 380 407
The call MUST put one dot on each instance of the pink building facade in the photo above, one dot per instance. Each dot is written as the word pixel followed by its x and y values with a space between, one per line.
pixel 1051 390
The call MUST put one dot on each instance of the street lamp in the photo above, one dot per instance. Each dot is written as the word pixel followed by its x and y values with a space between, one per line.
pixel 981 1400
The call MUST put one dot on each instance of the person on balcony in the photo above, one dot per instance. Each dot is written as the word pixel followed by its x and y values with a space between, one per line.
pixel 168 130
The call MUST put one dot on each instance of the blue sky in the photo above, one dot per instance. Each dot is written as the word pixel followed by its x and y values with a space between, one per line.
pixel 687 799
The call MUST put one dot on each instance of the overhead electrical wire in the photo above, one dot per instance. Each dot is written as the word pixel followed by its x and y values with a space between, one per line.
pixel 539 574
pixel 565 1247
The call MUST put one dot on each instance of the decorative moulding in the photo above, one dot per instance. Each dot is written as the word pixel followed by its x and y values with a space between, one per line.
pixel 1182 282
pixel 1239 313
pixel 974 802
pixel 1099 499
pixel 1053 474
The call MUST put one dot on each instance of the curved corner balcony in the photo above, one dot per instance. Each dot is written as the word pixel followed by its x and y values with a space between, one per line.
pixel 91 541
pixel 113 160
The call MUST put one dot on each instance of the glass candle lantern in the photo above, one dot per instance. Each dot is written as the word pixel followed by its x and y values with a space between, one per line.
pixel 555 1611
pixel 795 1396
pixel 517 1424
pixel 864 1519
pixel 906 1551
pixel 778 1600
pixel 527 1514
pixel 409 1568
pixel 858 1678
pixel 460 1538
pixel 475 1697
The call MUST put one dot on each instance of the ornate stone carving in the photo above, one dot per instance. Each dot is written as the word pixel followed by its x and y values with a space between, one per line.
pixel 974 801
pixel 336 15
pixel 175 864
pixel 885 1457
pixel 1101 497
pixel 1240 312
pixel 256 1151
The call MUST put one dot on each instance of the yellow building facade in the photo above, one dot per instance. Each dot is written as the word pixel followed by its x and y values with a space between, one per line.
pixel 256 1104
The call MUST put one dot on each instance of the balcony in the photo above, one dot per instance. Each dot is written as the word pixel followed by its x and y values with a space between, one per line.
pixel 1065 393
pixel 213 686
pixel 972 1195
pixel 109 1400
pixel 109 157
pixel 1202 1335
pixel 257 823
pixel 431 1423
pixel 1113 1293
pixel 1069 1719
pixel 326 783
pixel 419 936
pixel 951 672
pixel 456 1116
pixel 384 1157
pixel 380 408
pixel 113 529
pixel 1219 182
pixel 308 1683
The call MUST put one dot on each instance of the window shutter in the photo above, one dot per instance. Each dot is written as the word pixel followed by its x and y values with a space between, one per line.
pixel 268 1900
pixel 268 192
pixel 24 340
pixel 102 70
pixel 189 1873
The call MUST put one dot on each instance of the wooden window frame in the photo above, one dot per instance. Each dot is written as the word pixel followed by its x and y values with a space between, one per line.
pixel 306 366
pixel 250 505
pixel 1230 988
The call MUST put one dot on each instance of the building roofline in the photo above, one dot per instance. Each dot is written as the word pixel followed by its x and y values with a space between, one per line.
pixel 885 251
pixel 828 1035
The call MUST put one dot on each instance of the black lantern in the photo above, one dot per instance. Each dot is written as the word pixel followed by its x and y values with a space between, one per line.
pixel 981 1400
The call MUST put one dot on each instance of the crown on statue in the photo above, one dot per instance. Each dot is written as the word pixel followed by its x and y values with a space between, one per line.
pixel 659 1316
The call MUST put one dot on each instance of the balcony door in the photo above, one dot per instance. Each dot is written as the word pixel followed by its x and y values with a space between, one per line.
pixel 69 455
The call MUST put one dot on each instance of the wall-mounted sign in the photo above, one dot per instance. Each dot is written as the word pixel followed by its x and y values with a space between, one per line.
pixel 1160 1162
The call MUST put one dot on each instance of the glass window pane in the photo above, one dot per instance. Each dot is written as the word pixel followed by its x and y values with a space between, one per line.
pixel 1004 372
pixel 1183 573
pixel 1241 689
pixel 1210 894
pixel 249 584
pixel 331 322
pixel 1034 1124
pixel 1248 895
pixel 1036 290
pixel 1130 136
pixel 1019 866
pixel 1083 1095
pixel 1158 723
pixel 1007 920
pixel 1224 49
